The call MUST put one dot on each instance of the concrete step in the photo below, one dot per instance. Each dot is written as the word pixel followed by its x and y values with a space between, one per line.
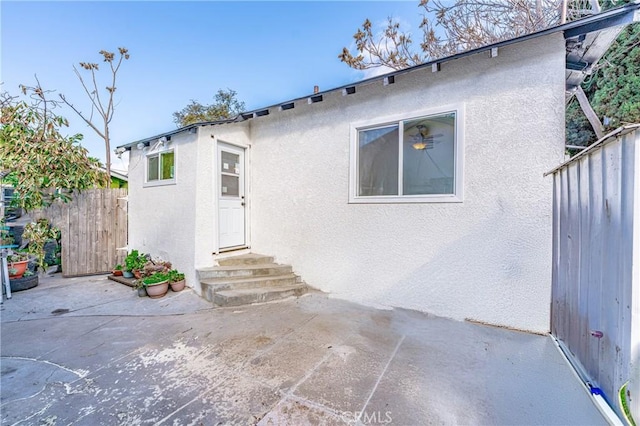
pixel 249 282
pixel 211 286
pixel 257 270
pixel 247 296
pixel 246 259
pixel 249 278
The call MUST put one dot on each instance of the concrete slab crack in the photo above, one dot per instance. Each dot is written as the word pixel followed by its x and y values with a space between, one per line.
pixel 80 373
pixel 384 370
pixel 37 413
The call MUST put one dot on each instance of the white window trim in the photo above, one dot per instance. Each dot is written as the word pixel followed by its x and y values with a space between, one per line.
pixel 160 182
pixel 456 197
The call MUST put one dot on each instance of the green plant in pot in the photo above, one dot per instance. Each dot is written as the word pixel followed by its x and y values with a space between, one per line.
pixel 157 285
pixel 141 262
pixel 17 263
pixel 17 256
pixel 176 280
pixel 141 288
pixel 154 265
pixel 133 261
pixel 117 270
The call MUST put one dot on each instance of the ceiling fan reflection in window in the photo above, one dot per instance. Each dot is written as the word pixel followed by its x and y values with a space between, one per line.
pixel 423 140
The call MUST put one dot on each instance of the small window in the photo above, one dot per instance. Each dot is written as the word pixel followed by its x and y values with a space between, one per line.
pixel 161 167
pixel 418 159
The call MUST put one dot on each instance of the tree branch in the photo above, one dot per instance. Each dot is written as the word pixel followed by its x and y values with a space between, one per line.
pixel 105 110
pixel 81 116
pixel 86 89
pixel 97 102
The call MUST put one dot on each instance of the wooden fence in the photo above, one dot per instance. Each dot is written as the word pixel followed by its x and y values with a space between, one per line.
pixel 93 226
pixel 595 313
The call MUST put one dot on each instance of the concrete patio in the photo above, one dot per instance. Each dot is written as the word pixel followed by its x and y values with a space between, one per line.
pixel 88 351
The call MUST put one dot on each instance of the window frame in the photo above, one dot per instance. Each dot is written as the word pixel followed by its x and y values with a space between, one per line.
pixel 159 181
pixel 458 186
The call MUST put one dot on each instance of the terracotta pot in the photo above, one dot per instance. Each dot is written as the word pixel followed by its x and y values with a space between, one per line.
pixel 137 273
pixel 158 290
pixel 178 285
pixel 117 272
pixel 20 267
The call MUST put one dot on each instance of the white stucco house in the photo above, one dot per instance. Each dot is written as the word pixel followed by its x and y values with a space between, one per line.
pixel 421 189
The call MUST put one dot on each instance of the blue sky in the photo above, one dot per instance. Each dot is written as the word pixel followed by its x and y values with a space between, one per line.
pixel 267 51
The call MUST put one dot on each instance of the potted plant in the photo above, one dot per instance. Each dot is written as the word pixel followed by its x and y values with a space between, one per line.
pixel 154 265
pixel 138 268
pixel 141 289
pixel 176 280
pixel 17 264
pixel 131 263
pixel 157 285
pixel 117 270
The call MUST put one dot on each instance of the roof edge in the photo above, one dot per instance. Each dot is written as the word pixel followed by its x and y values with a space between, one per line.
pixel 613 17
pixel 618 16
pixel 180 130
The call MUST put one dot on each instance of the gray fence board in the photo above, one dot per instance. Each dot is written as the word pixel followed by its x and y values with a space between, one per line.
pixel 594 244
pixel 93 225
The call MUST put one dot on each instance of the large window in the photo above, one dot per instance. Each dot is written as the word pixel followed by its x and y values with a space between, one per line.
pixel 417 159
pixel 161 167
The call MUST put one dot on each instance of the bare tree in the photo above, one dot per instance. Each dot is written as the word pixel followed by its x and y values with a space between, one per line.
pixel 103 107
pixel 451 27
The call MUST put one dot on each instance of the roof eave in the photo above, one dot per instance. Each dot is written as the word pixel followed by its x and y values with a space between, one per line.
pixel 129 145
pixel 615 17
pixel 619 16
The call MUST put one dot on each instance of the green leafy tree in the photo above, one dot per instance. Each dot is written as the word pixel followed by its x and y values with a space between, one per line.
pixel 578 131
pixel 38 233
pixel 42 164
pixel 613 90
pixel 616 87
pixel 103 107
pixel 226 105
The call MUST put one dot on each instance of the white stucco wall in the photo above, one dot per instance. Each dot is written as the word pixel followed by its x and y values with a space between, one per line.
pixel 177 221
pixel 206 238
pixel 485 259
pixel 162 219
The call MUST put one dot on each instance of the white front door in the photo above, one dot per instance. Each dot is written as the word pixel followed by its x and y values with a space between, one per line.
pixel 231 201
